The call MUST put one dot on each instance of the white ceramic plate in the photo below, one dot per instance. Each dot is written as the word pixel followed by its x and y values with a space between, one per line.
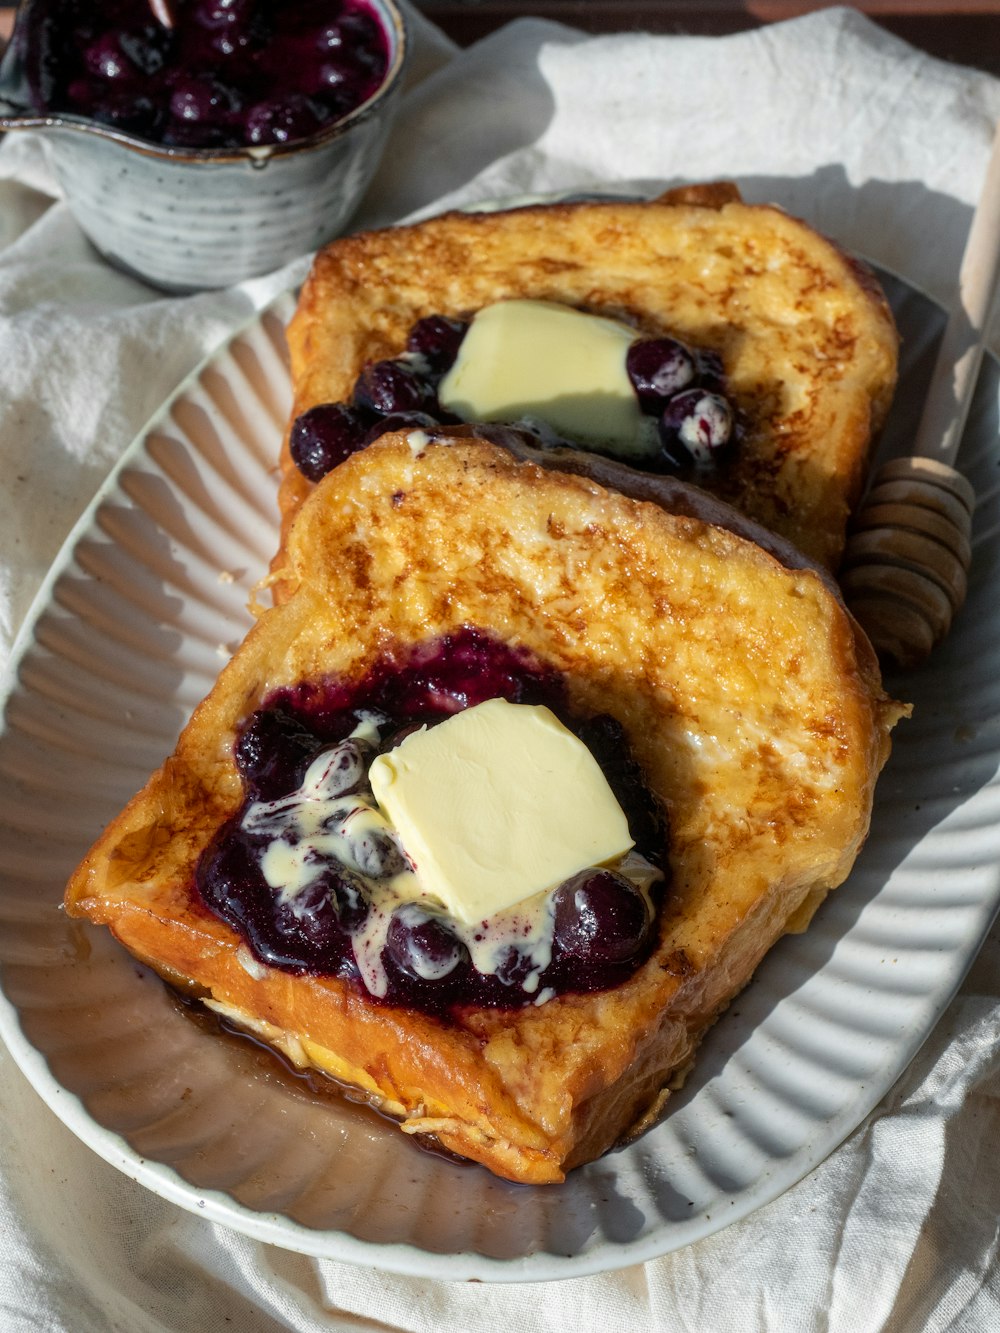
pixel 129 632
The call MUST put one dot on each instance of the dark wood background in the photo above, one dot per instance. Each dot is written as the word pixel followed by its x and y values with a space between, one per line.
pixel 965 31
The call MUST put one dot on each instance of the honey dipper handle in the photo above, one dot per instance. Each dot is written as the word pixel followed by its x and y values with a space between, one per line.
pixel 957 367
pixel 906 563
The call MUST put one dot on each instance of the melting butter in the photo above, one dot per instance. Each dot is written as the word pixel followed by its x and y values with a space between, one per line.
pixel 538 361
pixel 497 804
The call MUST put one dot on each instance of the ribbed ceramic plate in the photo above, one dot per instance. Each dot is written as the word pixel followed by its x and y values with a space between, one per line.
pixel 129 632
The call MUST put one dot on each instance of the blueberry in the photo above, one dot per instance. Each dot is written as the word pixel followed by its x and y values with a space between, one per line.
pixel 385 387
pixel 107 60
pixel 658 368
pixel 600 917
pixel 147 47
pixel 372 849
pixel 342 768
pixel 326 435
pixel 313 927
pixel 310 918
pixel 378 855
pixel 223 13
pixel 399 421
pixel 357 37
pixel 339 75
pixel 513 967
pixel 272 753
pixel 202 101
pixel 349 897
pixel 422 946
pixel 437 339
pixel 283 119
pixel 307 932
pixel 694 429
pixel 132 112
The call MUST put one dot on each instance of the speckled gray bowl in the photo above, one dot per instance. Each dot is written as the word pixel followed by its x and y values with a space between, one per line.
pixel 185 218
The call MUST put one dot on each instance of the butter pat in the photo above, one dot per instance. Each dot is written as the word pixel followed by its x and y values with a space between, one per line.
pixel 496 804
pixel 540 361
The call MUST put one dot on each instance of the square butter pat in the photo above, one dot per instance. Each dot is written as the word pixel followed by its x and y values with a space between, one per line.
pixel 538 360
pixel 496 804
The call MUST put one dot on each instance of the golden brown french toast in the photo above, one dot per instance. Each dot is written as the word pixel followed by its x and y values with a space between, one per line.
pixel 750 702
pixel 807 344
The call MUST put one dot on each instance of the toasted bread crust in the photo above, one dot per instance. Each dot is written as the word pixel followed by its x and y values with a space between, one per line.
pixel 750 698
pixel 806 336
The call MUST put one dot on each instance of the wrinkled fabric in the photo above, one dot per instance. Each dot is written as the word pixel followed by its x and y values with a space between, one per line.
pixel 882 147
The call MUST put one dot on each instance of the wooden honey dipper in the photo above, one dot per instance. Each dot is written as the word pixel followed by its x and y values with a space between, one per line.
pixel 906 564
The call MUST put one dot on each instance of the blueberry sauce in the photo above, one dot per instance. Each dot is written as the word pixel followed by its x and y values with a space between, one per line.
pixel 228 74
pixel 345 917
pixel 684 388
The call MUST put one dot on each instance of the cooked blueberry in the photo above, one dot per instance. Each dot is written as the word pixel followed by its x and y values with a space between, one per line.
pixel 437 339
pixel 399 421
pixel 349 897
pixel 386 387
pixel 422 946
pixel 272 753
pixel 356 34
pixel 107 60
pixel 695 428
pixel 342 77
pixel 147 47
pixel 230 882
pixel 310 917
pixel 600 917
pixel 377 854
pixel 223 13
pixel 133 112
pixel 658 368
pixel 202 101
pixel 342 768
pixel 283 119
pixel 513 967
pixel 326 435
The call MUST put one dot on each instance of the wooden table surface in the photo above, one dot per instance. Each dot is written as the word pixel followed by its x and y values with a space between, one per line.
pixel 966 31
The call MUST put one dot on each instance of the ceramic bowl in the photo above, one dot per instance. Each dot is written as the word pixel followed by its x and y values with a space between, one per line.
pixel 189 218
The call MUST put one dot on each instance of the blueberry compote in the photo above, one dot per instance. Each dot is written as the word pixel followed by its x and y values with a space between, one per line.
pixel 682 387
pixel 227 74
pixel 313 878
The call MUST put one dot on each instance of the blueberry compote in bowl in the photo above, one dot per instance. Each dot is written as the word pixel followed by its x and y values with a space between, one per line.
pixel 313 878
pixel 218 148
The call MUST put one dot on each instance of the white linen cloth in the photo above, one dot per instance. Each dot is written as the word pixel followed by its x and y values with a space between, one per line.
pixel 884 149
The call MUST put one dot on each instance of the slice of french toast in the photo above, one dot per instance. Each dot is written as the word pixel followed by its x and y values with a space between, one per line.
pixel 807 343
pixel 743 690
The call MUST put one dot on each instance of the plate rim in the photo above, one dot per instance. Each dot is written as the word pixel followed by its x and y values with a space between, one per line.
pixel 217 1206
